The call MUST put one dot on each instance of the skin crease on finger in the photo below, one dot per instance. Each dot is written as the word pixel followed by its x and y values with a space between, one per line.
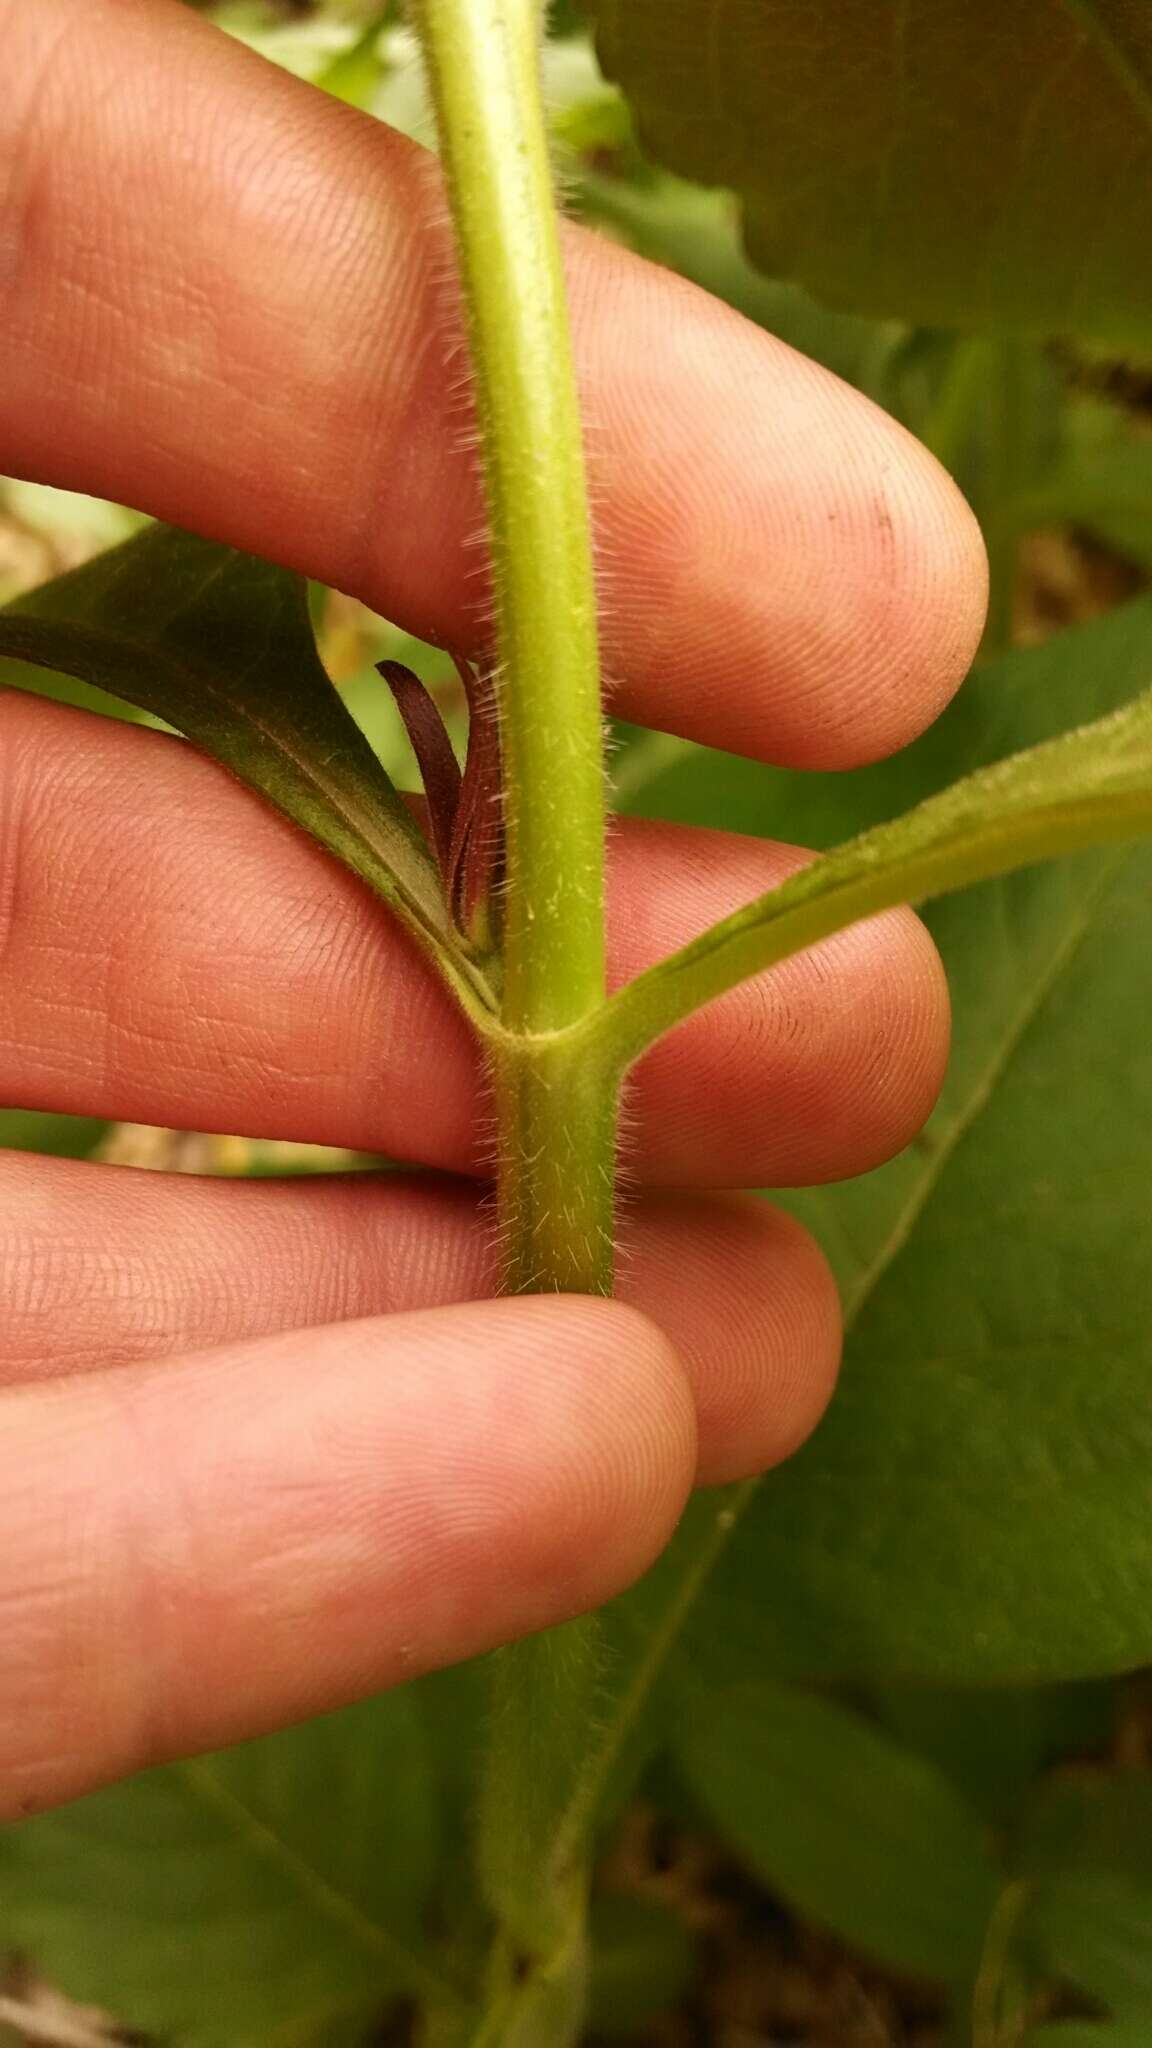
pixel 105 1267
pixel 265 347
pixel 229 975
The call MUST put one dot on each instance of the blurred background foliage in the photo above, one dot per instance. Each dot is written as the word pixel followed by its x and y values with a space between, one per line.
pixel 895 1783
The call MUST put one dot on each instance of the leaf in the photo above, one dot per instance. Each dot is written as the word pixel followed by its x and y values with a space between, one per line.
pixel 1082 789
pixel 994 1743
pixel 354 74
pixel 428 738
pixel 850 1828
pixel 1088 1820
pixel 1093 1929
pixel 696 233
pixel 1108 492
pixel 974 1507
pixel 464 810
pixel 1091 2034
pixel 344 2030
pixel 58 1136
pixel 61 689
pixel 641 1964
pixel 476 859
pixel 958 163
pixel 219 645
pixel 242 1897
pixel 1084 1853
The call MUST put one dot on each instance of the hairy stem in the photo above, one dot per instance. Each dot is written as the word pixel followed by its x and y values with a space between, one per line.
pixel 556 1110
pixel 483 62
pixel 555 1115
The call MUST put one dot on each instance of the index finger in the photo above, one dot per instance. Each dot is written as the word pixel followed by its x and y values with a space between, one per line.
pixel 227 300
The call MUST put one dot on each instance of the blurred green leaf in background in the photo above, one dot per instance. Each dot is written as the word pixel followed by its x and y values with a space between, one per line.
pixel 960 164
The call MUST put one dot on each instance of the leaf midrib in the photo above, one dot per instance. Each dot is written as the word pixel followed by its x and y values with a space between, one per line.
pixel 262 1840
pixel 980 1095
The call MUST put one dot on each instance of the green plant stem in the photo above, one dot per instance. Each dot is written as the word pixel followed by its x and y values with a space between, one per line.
pixel 999 2005
pixel 556 1112
pixel 483 62
pixel 535 1873
pixel 555 1119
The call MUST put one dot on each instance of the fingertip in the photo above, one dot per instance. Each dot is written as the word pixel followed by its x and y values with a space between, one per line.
pixel 921 584
pixel 820 1068
pixel 627 1441
pixel 897 1037
pixel 810 1335
pixel 755 1310
pixel 889 583
pixel 786 572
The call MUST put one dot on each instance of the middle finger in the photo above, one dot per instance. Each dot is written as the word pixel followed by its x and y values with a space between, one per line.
pixel 178 954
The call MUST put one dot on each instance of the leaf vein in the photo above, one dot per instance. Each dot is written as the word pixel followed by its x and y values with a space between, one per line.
pixel 980 1095
pixel 263 1840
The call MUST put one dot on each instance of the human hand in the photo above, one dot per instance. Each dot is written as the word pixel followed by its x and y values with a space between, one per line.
pixel 265 1450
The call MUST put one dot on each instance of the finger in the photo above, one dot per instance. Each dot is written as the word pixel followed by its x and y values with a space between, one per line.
pixel 274 1528
pixel 262 345
pixel 822 1068
pixel 281 1002
pixel 175 953
pixel 107 1267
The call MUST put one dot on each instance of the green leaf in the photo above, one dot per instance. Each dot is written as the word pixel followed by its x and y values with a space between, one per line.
pixel 961 164
pixel 1108 492
pixel 1088 2034
pixel 61 1137
pixel 354 74
pixel 1088 1820
pixel 993 1744
pixel 219 645
pixel 641 1964
pixel 1082 789
pixel 1093 1929
pixel 853 1830
pixel 61 689
pixel 696 233
pixel 241 1898
pixel 974 1509
pixel 344 2030
pixel 1084 1855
